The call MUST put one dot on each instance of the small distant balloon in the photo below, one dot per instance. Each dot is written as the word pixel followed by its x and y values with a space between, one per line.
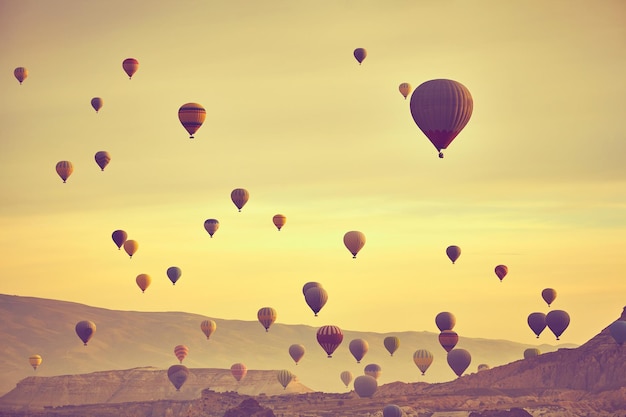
pixel 211 226
pixel 85 330
pixel 373 369
pixel 531 353
pixel 35 361
pixel 346 377
pixel 548 295
pixel 557 321
pixel 238 371
pixel 537 322
pixel 102 159
pixel 181 352
pixel 354 241
pixel 130 66
pixel 266 316
pixel 240 197
pixel 279 221
pixel 423 358
pixel 459 360
pixel 97 103
pixel 445 321
pixel 360 54
pixel 405 89
pixel 143 281
pixel 20 73
pixel 316 298
pixel 131 246
pixel 64 169
pixel 177 374
pixel 191 116
pixel 453 252
pixel 119 237
pixel 296 351
pixel 358 348
pixel 501 271
pixel 174 273
pixel 208 327
pixel 392 343
pixel 284 376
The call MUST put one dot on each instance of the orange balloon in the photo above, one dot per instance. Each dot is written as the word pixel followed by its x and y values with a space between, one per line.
pixel 279 221
pixel 130 65
pixel 64 169
pixel 143 281
pixel 131 246
pixel 191 116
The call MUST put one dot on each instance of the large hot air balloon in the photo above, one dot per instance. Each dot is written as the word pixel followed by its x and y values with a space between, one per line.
pixel 354 241
pixel 405 89
pixel 181 352
pixel 211 226
pixel 85 330
pixel 20 73
pixel 459 360
pixel 191 116
pixel 501 271
pixel 531 353
pixel 64 169
pixel 35 361
pixel 266 316
pixel 97 103
pixel 346 377
pixel 392 410
pixel 174 273
pixel 284 376
pixel 316 298
pixel 537 322
pixel 102 159
pixel 358 348
pixel 448 339
pixel 177 375
pixel 296 351
pixel 618 331
pixel 119 237
pixel 445 321
pixel 130 65
pixel 279 221
pixel 329 337
pixel 238 370
pixel 365 385
pixel 423 358
pixel 131 246
pixel 239 196
pixel 360 54
pixel 208 327
pixel 143 281
pixel 310 285
pixel 373 369
pixel 557 321
pixel 441 109
pixel 453 253
pixel 392 343
pixel 548 295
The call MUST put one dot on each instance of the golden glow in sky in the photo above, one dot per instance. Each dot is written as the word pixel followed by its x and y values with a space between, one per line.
pixel 535 181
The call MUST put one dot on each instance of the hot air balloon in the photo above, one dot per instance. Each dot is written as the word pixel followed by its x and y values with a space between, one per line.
pixel 208 327
pixel 501 271
pixel 548 295
pixel 459 360
pixel 618 331
pixel 365 385
pixel 35 361
pixel 360 54
pixel 64 169
pixel 174 273
pixel 191 116
pixel 557 321
pixel 85 330
pixel 296 351
pixel 240 197
pixel 316 298
pixel 143 281
pixel 131 246
pixel 441 109
pixel 102 159
pixel 266 316
pixel 358 348
pixel 354 241
pixel 453 253
pixel 482 367
pixel 284 376
pixel 392 343
pixel 310 285
pixel 211 226
pixel 239 371
pixel 537 322
pixel 329 337
pixel 177 375
pixel 531 353
pixel 373 369
pixel 392 410
pixel 119 237
pixel 20 73
pixel 346 377
pixel 423 359
pixel 405 89
pixel 130 65
pixel 279 221
pixel 181 352
pixel 445 321
pixel 97 103
pixel 448 339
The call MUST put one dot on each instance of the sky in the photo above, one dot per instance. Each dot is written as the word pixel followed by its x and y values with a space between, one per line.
pixel 535 181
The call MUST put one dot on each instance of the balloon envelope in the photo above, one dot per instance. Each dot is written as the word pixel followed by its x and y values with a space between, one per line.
pixel 392 410
pixel 618 331
pixel 296 351
pixel 329 338
pixel 531 353
pixel 130 66
pixel 181 352
pixel 360 54
pixel 284 376
pixel 238 370
pixel 445 321
pixel 211 226
pixel 85 330
pixel 240 197
pixel 459 360
pixel 174 273
pixel 119 237
pixel 405 89
pixel 358 348
pixel 346 377
pixel 266 316
pixel 501 271
pixel 354 241
pixel 365 385
pixel 64 169
pixel 102 159
pixel 97 103
pixel 373 369
pixel 20 73
pixel 143 281
pixel 316 298
pixel 131 246
pixel 453 253
pixel 178 374
pixel 191 116
pixel 548 295
pixel 279 221
pixel 208 327
pixel 441 109
pixel 557 321
pixel 448 339
pixel 423 359
pixel 309 285
pixel 482 367
pixel 35 361
pixel 392 343
pixel 537 322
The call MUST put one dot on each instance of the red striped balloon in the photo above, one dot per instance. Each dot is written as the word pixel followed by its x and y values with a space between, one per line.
pixel 329 338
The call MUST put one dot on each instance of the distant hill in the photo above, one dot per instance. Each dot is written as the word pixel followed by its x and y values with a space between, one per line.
pixel 129 339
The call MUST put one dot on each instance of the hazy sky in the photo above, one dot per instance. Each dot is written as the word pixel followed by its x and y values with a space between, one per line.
pixel 536 180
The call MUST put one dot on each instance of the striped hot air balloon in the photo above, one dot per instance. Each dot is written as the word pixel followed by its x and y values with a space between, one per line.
pixel 238 371
pixel 102 159
pixel 346 377
pixel 130 66
pixel 208 327
pixel 266 316
pixel 329 337
pixel 35 361
pixel 211 226
pixel 448 339
pixel 405 89
pixel 240 197
pixel 20 73
pixel 392 343
pixel 191 116
pixel 181 352
pixel 373 369
pixel 284 376
pixel 423 359
pixel 64 169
